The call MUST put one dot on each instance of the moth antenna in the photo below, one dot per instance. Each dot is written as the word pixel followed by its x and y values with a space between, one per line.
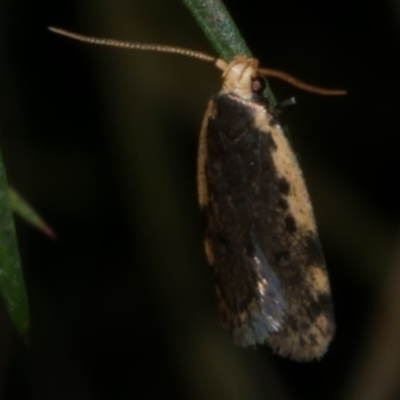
pixel 194 54
pixel 133 46
pixel 301 85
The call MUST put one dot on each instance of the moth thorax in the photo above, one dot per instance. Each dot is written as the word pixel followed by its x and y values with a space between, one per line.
pixel 238 76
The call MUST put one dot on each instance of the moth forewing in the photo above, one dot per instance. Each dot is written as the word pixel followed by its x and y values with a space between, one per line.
pixel 261 237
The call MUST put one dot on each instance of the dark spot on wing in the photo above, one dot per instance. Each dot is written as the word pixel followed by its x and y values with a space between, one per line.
pixel 290 224
pixel 270 143
pixel 233 119
pixel 313 249
pixel 282 203
pixel 323 304
pixel 282 255
pixel 283 186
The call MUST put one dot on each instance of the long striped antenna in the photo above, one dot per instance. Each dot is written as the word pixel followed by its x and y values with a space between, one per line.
pixel 134 46
pixel 195 54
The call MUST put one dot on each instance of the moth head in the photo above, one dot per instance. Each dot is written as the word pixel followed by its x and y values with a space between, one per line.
pixel 240 77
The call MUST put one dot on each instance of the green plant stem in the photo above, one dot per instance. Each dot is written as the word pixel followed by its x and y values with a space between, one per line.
pixel 217 24
pixel 220 29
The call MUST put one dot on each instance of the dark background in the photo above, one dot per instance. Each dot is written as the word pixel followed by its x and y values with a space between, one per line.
pixel 102 142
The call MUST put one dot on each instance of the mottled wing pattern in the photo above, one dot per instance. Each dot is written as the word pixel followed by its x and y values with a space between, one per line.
pixel 261 239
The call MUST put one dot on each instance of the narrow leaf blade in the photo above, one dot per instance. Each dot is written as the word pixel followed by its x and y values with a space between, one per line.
pixel 12 285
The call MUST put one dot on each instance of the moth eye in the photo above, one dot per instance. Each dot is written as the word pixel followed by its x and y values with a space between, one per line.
pixel 258 85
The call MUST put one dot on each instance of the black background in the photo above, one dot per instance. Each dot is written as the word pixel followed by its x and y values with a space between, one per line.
pixel 102 142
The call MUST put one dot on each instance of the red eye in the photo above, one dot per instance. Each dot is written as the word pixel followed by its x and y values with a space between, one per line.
pixel 258 85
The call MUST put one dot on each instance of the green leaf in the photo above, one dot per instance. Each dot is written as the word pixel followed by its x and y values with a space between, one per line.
pixel 12 285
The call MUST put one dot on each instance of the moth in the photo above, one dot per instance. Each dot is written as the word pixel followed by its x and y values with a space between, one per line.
pixel 261 238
